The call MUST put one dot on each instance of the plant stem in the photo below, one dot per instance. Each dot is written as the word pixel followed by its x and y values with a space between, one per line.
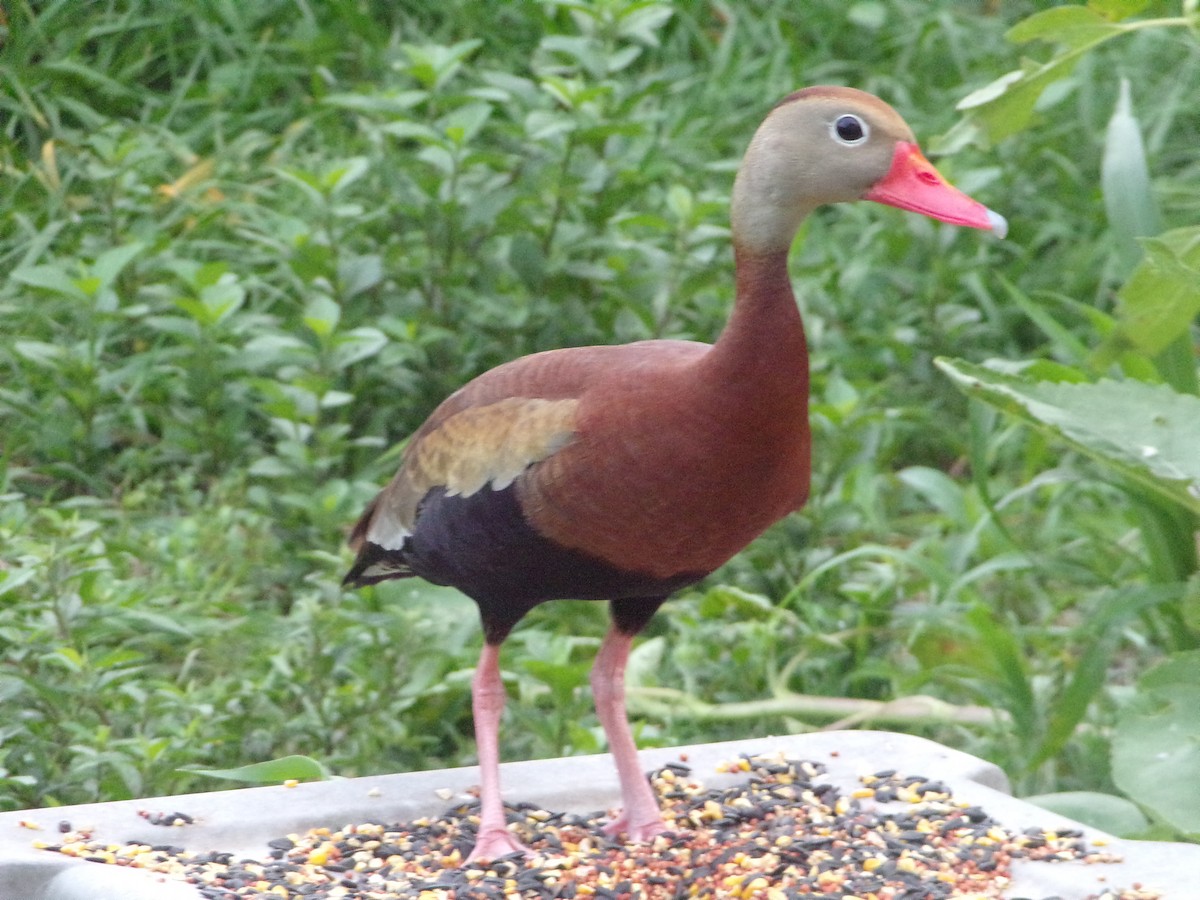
pixel 846 711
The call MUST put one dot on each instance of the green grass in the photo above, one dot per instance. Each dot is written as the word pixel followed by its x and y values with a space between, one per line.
pixel 248 247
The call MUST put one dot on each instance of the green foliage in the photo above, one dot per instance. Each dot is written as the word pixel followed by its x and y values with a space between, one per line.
pixel 1156 757
pixel 1008 105
pixel 250 246
pixel 275 771
pixel 1141 428
pixel 1148 433
pixel 1113 815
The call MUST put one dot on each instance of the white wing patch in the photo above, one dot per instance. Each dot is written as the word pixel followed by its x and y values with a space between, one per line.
pixel 387 531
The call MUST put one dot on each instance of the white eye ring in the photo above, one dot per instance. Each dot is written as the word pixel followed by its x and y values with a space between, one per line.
pixel 849 130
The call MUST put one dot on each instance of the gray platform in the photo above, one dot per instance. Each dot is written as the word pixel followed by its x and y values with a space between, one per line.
pixel 242 821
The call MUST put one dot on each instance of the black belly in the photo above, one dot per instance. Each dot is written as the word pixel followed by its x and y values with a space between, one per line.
pixel 483 546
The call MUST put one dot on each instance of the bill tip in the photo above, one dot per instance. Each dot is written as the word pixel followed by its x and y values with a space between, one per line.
pixel 998 223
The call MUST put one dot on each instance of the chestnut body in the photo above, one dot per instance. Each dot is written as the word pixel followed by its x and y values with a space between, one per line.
pixel 625 473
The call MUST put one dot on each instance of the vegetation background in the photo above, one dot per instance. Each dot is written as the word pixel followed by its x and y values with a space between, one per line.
pixel 248 246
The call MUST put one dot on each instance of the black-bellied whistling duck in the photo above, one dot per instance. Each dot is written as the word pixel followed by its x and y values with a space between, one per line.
pixel 624 473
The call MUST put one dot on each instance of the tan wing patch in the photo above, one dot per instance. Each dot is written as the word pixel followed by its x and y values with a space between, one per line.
pixel 480 446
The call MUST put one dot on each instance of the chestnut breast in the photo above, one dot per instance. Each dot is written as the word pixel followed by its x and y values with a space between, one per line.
pixel 669 472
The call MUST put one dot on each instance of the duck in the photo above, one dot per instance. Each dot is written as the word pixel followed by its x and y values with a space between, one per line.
pixel 625 473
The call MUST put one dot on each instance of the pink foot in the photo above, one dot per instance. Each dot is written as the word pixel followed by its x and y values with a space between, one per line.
pixel 494 843
pixel 645 831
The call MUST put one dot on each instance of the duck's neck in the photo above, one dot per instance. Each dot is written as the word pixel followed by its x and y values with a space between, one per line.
pixel 762 353
pixel 760 361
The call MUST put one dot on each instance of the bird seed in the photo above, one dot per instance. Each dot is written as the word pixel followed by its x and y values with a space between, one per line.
pixel 781 835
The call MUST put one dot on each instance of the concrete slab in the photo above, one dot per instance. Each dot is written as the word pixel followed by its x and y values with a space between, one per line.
pixel 242 821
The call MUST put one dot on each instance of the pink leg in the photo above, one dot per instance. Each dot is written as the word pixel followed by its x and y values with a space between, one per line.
pixel 640 818
pixel 487 703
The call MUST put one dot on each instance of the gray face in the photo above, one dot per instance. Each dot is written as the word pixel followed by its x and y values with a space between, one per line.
pixel 821 145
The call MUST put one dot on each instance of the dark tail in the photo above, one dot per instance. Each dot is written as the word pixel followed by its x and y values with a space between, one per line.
pixel 374 564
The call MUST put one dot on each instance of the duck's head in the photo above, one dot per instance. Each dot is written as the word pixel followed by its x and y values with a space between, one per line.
pixel 834 145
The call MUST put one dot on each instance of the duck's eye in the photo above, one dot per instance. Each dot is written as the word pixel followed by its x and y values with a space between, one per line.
pixel 850 129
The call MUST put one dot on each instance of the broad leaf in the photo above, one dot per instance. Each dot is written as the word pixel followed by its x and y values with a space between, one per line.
pixel 1073 26
pixel 1146 432
pixel 1115 815
pixel 273 771
pixel 322 315
pixel 1118 9
pixel 356 345
pixel 388 103
pixel 41 353
pixel 108 265
pixel 50 278
pixel 1162 297
pixel 1156 743
pixel 1006 106
pixel 1125 179
pixel 358 274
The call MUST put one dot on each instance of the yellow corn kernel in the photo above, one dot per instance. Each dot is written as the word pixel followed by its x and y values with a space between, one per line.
pixel 320 855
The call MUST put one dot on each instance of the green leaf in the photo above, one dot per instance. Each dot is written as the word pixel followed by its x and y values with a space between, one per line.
pixel 563 679
pixel 726 599
pixel 644 22
pixel 1006 106
pixel 938 489
pixel 270 467
pixel 645 662
pixel 1073 26
pixel 465 122
pixel 322 316
pixel 681 203
pixel 405 130
pixel 1146 432
pixel 308 182
pixel 1115 10
pixel 274 771
pixel 1070 704
pixel 1063 337
pixel 356 345
pixel 108 265
pixel 338 177
pixel 1190 605
pixel 528 259
pixel 69 657
pixel 433 64
pixel 1010 663
pixel 1156 743
pixel 11 579
pixel 223 299
pixel 41 353
pixel 391 103
pixel 1162 297
pixel 1125 179
pixel 50 278
pixel 1114 815
pixel 105 83
pixel 869 14
pixel 357 274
